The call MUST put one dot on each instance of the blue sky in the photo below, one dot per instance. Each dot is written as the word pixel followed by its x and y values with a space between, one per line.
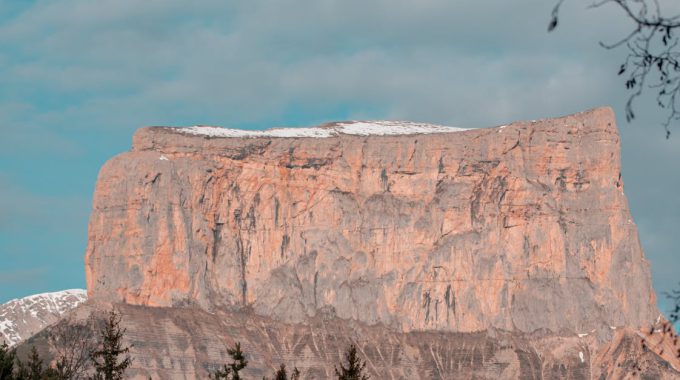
pixel 78 77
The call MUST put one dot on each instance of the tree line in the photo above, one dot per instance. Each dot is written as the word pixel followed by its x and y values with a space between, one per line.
pixel 90 350
pixel 351 368
pixel 94 350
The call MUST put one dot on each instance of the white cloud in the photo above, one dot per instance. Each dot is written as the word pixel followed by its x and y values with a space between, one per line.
pixel 79 68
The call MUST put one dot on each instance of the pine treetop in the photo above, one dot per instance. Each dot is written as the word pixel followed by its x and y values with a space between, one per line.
pixel 355 366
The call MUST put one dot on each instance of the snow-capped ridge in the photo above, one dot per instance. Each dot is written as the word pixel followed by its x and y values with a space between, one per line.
pixel 359 128
pixel 22 317
pixel 53 295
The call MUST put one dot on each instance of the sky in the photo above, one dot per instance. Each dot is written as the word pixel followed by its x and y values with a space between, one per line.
pixel 77 78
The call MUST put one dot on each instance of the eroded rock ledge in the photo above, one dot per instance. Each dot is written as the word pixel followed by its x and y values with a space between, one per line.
pixel 185 343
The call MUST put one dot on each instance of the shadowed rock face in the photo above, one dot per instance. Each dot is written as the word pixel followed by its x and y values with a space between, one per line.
pixel 519 228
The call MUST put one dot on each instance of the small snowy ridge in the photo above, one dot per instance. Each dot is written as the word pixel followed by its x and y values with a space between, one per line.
pixel 366 128
pixel 23 317
pixel 580 356
pixel 359 128
pixel 582 335
pixel 163 158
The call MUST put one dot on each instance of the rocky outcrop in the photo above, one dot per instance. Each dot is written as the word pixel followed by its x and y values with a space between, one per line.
pixel 519 228
pixel 22 318
pixel 186 343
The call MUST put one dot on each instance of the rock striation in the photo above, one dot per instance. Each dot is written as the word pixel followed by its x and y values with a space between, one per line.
pixel 520 228
pixel 189 343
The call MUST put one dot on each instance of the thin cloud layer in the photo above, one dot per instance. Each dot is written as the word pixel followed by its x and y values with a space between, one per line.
pixel 79 77
pixel 250 64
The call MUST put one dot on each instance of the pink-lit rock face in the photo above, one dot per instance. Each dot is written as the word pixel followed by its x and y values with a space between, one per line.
pixel 519 228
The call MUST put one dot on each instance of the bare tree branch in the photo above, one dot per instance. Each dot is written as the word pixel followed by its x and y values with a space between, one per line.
pixel 73 341
pixel 653 60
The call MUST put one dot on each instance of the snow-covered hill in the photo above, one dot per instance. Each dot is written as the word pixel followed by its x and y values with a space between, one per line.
pixel 22 318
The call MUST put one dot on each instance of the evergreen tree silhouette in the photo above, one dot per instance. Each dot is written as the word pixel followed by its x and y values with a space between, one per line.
pixel 355 366
pixel 7 357
pixel 111 359
pixel 238 363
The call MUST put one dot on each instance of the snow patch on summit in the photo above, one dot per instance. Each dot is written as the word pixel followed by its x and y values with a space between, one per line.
pixel 358 128
pixel 388 128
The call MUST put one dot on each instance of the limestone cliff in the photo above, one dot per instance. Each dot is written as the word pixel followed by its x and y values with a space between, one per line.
pixel 519 228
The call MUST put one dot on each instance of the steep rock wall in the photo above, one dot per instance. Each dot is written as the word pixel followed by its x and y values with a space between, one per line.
pixel 520 228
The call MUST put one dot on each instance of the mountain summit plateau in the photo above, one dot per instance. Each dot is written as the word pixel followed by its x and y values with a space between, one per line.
pixel 520 228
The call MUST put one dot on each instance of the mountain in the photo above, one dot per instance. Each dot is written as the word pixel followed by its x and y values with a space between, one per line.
pixel 22 318
pixel 418 227
pixel 493 253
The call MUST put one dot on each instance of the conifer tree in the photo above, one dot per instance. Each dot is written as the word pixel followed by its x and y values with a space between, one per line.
pixel 222 373
pixel 238 363
pixel 281 373
pixel 296 374
pixel 111 358
pixel 35 365
pixel 7 357
pixel 355 366
pixel 33 370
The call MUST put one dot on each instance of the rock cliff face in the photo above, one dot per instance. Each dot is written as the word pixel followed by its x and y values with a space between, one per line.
pixel 518 228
